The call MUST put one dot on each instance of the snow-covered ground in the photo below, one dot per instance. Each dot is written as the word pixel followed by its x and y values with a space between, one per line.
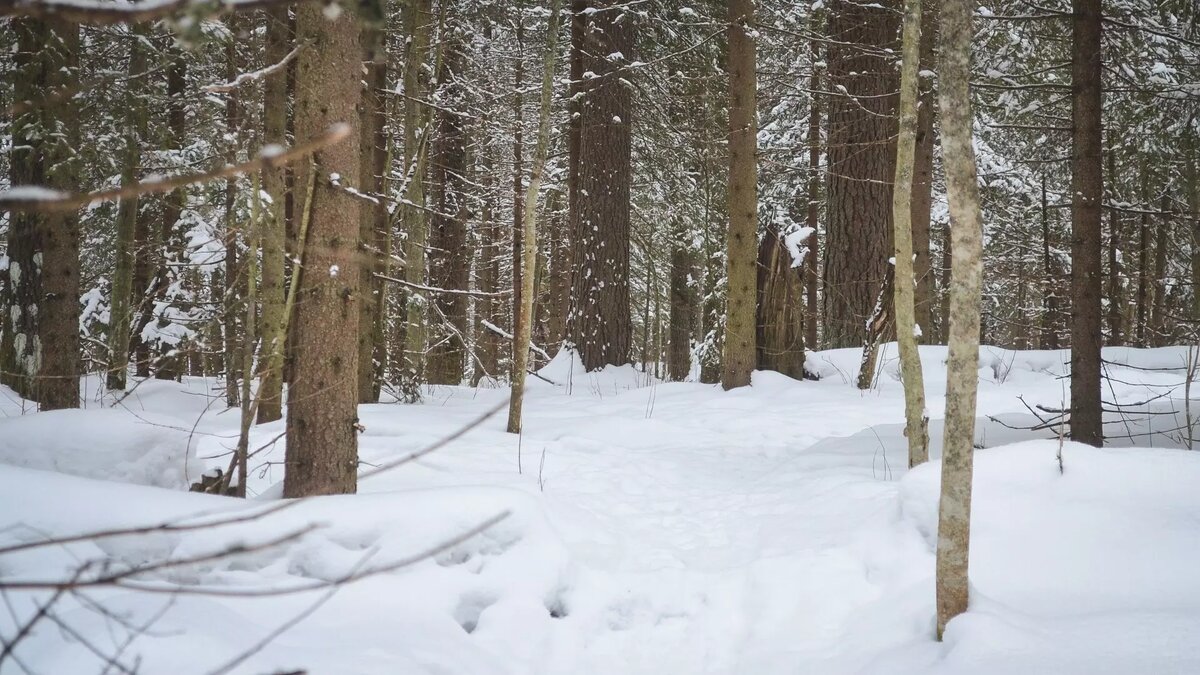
pixel 651 528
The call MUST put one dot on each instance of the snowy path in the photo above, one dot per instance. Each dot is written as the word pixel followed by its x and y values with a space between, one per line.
pixel 672 528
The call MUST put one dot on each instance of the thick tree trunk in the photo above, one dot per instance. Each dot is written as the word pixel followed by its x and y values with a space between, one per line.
pixel 274 182
pixel 682 310
pixel 601 325
pixel 450 258
pixel 322 443
pixel 170 361
pixel 905 218
pixel 954 512
pixel 862 155
pixel 742 237
pixel 779 325
pixel 40 354
pixel 1087 190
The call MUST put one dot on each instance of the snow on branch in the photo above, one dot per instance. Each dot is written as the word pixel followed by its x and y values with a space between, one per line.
pixel 34 198
pixel 98 12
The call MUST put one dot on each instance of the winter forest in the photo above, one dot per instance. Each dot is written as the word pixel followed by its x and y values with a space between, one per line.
pixel 599 336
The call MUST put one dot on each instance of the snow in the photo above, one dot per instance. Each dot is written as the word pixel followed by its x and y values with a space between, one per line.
pixel 651 527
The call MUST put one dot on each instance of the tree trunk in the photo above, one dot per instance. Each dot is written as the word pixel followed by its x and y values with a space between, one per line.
pixel 905 219
pixel 529 238
pixel 682 310
pixel 371 215
pixel 274 236
pixel 742 237
pixel 922 183
pixel 171 356
pixel 450 258
pixel 862 155
pixel 1116 293
pixel 811 277
pixel 601 325
pixel 1049 338
pixel 779 324
pixel 121 308
pixel 1087 190
pixel 954 512
pixel 39 358
pixel 1158 311
pixel 416 133
pixel 322 443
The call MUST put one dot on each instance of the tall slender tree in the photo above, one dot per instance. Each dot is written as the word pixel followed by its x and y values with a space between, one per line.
pixel 954 510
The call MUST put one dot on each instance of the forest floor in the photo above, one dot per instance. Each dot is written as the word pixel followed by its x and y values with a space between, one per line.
pixel 652 528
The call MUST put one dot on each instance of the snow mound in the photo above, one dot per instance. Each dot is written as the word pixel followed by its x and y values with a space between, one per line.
pixel 106 444
pixel 565 370
pixel 1087 571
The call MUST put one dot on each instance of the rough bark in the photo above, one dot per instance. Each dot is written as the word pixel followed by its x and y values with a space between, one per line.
pixel 450 258
pixel 322 443
pixel 779 324
pixel 811 278
pixel 274 182
pixel 682 311
pixel 862 154
pixel 600 323
pixel 416 132
pixel 1087 190
pixel 922 182
pixel 741 239
pixel 170 245
pixel 954 512
pixel 39 357
pixel 906 223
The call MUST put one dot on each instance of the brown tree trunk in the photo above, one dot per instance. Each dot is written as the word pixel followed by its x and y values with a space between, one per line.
pixel 322 443
pixel 372 216
pixel 1116 291
pixel 274 183
pixel 1087 190
pixel 862 155
pixel 601 325
pixel 40 355
pixel 779 325
pixel 922 184
pixel 450 259
pixel 170 361
pixel 1050 321
pixel 558 295
pixel 1158 311
pixel 742 237
pixel 811 278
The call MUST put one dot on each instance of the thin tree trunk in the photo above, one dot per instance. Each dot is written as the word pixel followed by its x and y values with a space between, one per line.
pixel 525 324
pixel 1049 339
pixel 370 181
pixel 1087 190
pixel 916 427
pixel 954 512
pixel 322 421
pixel 1116 294
pixel 1158 311
pixel 811 278
pixel 121 307
pixel 416 132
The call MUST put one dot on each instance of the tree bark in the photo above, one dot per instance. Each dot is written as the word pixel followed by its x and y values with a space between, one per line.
pixel 529 227
pixel 922 183
pixel 779 323
pixel 742 237
pixel 322 443
pixel 954 512
pixel 811 278
pixel 416 132
pixel 862 154
pixel 1116 293
pixel 601 324
pixel 906 223
pixel 1087 190
pixel 372 217
pixel 274 236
